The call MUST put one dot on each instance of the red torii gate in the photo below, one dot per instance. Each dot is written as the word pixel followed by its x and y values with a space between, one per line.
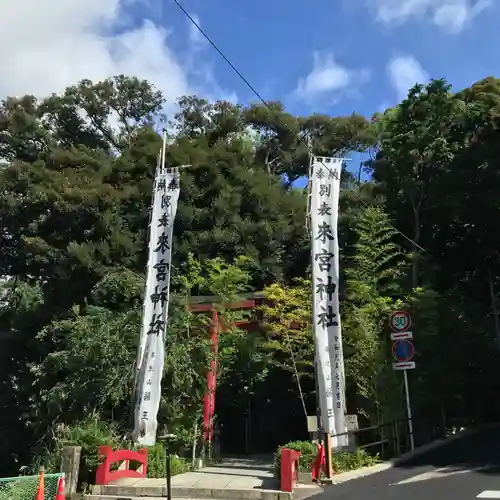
pixel 207 304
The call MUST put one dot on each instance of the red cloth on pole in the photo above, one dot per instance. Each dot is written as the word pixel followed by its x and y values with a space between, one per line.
pixel 319 463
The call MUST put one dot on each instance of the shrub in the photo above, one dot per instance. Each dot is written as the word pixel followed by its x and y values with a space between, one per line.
pixel 342 462
pixel 156 463
pixel 308 452
pixel 93 433
pixel 348 460
pixel 89 434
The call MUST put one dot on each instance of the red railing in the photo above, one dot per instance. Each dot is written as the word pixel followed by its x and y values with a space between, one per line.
pixel 289 467
pixel 104 474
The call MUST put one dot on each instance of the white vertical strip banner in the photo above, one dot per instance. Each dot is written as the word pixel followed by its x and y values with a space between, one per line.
pixel 146 307
pixel 325 191
pixel 155 311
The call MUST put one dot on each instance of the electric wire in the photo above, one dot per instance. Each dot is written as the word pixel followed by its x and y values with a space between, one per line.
pixel 303 140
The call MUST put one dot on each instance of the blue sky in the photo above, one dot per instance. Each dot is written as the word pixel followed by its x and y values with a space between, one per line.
pixel 326 56
pixel 336 57
pixel 350 56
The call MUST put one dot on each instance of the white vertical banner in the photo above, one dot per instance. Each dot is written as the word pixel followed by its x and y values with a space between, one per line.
pixel 325 190
pixel 155 311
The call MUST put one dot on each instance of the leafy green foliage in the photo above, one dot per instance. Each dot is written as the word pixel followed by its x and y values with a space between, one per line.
pixel 89 434
pixel 346 461
pixel 437 169
pixel 287 318
pixel 374 281
pixel 76 184
pixel 308 452
pixel 157 464
pixel 342 462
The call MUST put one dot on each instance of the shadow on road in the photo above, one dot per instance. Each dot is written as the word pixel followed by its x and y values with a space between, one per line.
pixel 479 451
pixel 460 470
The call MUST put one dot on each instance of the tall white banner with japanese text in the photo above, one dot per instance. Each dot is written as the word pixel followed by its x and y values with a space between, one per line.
pixel 155 311
pixel 325 189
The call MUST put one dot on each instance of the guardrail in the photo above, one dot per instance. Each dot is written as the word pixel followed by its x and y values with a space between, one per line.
pixel 392 439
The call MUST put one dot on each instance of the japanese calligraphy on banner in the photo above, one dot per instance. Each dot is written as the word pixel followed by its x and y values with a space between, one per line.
pixel 325 189
pixel 155 311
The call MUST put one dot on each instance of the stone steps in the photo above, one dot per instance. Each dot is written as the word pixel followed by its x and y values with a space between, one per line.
pixel 125 492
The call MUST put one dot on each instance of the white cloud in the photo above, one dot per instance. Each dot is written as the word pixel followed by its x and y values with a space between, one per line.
pixel 404 73
pixel 449 15
pixel 201 68
pixel 327 79
pixel 49 44
pixel 195 37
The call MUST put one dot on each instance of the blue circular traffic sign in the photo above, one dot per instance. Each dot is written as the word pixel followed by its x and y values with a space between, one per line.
pixel 403 350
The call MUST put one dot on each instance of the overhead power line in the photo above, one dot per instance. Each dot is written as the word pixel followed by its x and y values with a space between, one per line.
pixel 302 140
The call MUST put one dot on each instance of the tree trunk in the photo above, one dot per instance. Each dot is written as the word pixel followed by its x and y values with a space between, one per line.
pixel 297 377
pixel 494 308
pixel 416 252
pixel 195 442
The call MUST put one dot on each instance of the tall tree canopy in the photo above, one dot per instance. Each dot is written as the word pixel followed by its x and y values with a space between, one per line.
pixel 76 179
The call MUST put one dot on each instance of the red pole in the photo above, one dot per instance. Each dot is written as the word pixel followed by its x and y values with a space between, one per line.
pixel 209 399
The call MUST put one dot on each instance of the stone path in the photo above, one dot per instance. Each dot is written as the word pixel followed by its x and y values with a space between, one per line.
pixel 231 474
pixel 236 478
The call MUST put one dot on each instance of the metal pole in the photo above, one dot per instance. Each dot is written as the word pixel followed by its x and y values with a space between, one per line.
pixel 408 410
pixel 168 462
pixel 169 470
pixel 308 229
pixel 318 407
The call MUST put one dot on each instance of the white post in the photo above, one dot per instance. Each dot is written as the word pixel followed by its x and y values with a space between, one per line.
pixel 163 150
pixel 408 410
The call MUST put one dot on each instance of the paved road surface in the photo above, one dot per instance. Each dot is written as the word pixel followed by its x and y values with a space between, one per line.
pixel 464 469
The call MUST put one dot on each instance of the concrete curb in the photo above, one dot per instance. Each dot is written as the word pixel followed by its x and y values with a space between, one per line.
pixel 421 450
pixel 118 492
pixel 132 492
pixel 115 497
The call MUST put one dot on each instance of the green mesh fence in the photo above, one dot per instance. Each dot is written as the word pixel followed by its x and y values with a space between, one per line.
pixel 25 487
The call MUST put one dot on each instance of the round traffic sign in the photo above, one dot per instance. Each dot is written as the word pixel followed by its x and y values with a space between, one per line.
pixel 400 321
pixel 403 350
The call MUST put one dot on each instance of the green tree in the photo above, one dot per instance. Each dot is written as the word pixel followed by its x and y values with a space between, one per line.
pixel 436 168
pixel 416 146
pixel 374 286
pixel 287 319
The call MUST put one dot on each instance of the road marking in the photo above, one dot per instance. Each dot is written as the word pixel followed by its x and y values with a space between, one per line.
pixel 489 494
pixel 440 473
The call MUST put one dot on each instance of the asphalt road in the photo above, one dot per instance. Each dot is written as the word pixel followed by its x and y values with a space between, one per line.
pixel 463 469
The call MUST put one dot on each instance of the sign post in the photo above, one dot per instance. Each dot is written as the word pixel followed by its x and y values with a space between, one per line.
pixel 403 352
pixel 408 410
